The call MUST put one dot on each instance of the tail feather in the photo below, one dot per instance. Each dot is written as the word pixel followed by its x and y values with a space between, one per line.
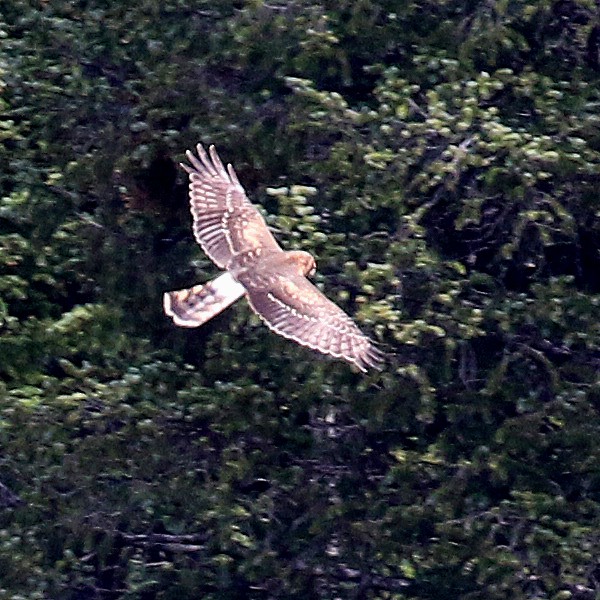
pixel 196 305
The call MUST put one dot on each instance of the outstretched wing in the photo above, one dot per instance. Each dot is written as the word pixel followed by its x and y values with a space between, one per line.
pixel 225 221
pixel 294 308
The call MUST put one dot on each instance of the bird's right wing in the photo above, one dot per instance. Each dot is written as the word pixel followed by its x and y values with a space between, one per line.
pixel 294 308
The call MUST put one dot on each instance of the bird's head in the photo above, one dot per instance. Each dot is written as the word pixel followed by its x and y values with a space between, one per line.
pixel 305 262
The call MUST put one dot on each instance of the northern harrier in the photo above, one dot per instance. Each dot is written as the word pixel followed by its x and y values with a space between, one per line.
pixel 236 238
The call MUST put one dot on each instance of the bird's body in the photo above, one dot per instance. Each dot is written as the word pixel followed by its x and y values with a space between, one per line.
pixel 235 236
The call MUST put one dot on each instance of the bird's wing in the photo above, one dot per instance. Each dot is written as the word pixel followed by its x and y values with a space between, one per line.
pixel 225 222
pixel 294 308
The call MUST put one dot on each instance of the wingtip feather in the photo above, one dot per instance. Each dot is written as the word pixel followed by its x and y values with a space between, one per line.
pixel 218 165
pixel 232 174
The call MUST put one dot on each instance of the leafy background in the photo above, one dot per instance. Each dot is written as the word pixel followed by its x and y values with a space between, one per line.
pixel 442 161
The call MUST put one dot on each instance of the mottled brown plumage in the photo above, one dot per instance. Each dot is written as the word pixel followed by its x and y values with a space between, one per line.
pixel 236 238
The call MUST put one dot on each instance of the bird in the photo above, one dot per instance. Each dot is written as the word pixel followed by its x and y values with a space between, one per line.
pixel 234 235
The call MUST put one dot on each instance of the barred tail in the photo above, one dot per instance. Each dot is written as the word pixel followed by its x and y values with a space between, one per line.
pixel 194 306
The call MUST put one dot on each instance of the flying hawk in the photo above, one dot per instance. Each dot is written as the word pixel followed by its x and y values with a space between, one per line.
pixel 236 238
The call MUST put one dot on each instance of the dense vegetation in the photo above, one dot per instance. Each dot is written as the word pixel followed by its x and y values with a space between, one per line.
pixel 441 159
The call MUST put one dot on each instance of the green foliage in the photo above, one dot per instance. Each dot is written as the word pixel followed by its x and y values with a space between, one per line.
pixel 441 161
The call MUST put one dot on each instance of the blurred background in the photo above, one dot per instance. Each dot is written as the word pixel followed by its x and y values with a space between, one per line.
pixel 441 160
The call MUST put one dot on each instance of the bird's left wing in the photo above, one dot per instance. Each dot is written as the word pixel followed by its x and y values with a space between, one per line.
pixel 225 221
